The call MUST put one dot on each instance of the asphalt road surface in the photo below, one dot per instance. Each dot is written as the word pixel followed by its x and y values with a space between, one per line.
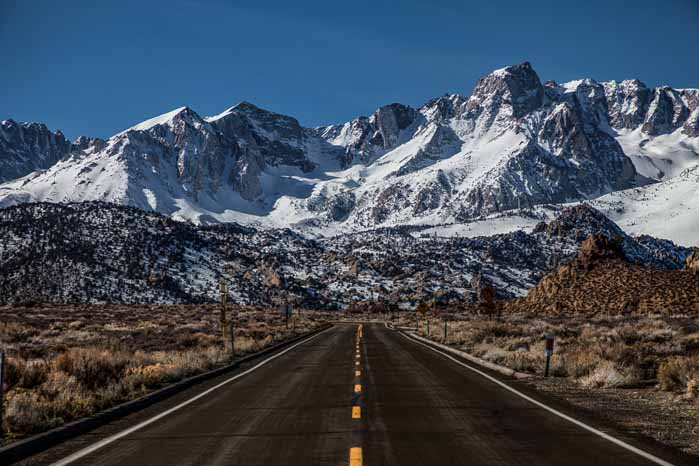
pixel 362 395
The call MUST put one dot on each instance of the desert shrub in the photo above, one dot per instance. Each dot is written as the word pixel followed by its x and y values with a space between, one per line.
pixel 627 333
pixel 693 387
pixel 605 375
pixel 188 340
pixel 59 399
pixel 21 373
pixel 147 377
pixel 578 363
pixel 524 362
pixel 690 342
pixel 26 413
pixel 495 330
pixel 491 353
pixel 14 332
pixel 92 367
pixel 675 373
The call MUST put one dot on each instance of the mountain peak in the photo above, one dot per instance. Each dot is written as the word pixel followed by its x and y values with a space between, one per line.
pixel 518 85
pixel 162 119
pixel 518 69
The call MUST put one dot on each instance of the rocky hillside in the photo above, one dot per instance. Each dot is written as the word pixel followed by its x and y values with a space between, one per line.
pixel 514 142
pixel 99 252
pixel 602 279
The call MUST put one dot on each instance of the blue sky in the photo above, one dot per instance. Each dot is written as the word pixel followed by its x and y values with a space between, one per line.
pixel 96 68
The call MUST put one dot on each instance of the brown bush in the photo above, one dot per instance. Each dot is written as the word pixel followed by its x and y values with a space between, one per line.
pixel 92 367
pixel 21 373
pixel 675 373
pixel 14 332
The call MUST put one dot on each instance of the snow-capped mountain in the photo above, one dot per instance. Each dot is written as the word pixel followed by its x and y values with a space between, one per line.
pixel 513 143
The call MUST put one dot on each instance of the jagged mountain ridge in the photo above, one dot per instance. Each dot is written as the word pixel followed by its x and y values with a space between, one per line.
pixel 100 252
pixel 514 142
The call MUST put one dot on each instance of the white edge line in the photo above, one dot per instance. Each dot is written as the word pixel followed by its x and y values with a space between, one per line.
pixel 112 438
pixel 604 435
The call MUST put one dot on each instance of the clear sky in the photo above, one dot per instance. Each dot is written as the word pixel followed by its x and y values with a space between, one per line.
pixel 98 67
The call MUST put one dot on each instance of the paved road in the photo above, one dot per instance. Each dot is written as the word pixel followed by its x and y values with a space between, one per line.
pixel 412 406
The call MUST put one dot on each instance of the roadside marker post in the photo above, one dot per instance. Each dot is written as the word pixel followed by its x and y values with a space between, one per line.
pixel 2 399
pixel 548 352
pixel 232 335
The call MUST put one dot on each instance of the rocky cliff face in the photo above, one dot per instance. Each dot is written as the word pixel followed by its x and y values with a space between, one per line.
pixel 656 111
pixel 27 147
pixel 365 138
pixel 514 91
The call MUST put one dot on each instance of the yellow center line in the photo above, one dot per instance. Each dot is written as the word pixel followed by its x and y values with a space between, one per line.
pixel 355 458
pixel 357 373
pixel 356 363
pixel 357 356
pixel 357 388
pixel 356 412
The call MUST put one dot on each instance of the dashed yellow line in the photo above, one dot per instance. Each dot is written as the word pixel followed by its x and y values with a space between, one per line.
pixel 355 453
pixel 355 457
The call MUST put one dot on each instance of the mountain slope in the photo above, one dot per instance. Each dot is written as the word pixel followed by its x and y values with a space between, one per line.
pixel 99 252
pixel 513 143
pixel 668 210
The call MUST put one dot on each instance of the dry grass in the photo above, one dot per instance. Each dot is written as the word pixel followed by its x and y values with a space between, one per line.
pixel 65 362
pixel 595 352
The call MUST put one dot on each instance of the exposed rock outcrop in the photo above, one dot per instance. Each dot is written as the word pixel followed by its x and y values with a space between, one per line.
pixel 601 281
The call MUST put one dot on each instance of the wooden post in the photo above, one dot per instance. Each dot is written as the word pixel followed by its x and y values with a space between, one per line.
pixel 224 298
pixel 548 352
pixel 232 335
pixel 2 399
